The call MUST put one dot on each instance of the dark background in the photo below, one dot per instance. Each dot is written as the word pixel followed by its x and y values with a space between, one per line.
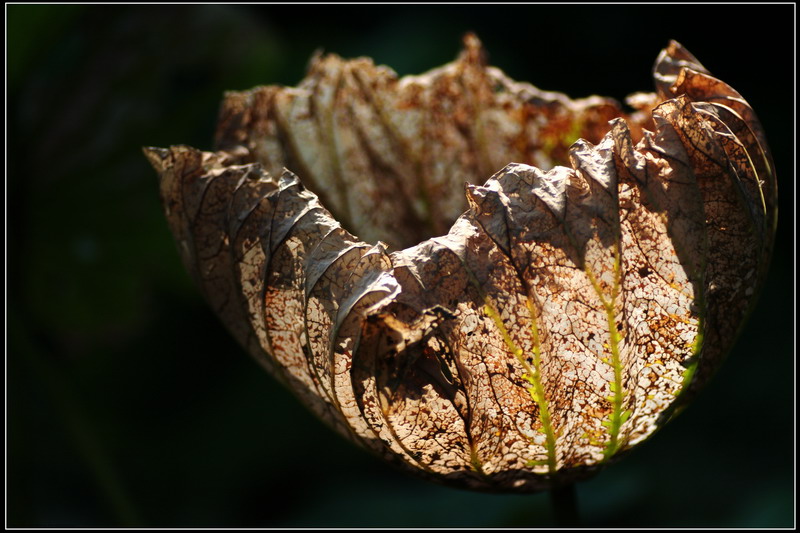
pixel 127 402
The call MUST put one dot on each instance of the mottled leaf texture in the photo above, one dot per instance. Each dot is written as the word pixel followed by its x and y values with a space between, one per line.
pixel 565 316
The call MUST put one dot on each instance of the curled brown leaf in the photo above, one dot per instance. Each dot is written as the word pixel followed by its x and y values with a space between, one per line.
pixel 564 316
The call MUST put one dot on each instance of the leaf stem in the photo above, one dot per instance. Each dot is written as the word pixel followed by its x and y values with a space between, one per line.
pixel 564 502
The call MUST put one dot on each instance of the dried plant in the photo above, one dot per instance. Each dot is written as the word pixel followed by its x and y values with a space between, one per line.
pixel 565 315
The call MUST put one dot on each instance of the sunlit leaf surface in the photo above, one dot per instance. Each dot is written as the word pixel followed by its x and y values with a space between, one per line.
pixel 580 297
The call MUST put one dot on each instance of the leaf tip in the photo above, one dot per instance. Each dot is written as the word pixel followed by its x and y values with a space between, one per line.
pixel 157 157
pixel 474 53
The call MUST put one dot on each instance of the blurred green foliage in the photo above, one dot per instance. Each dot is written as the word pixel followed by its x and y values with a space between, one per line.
pixel 127 402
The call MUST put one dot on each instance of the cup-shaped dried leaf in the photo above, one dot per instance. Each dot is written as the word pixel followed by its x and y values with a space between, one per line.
pixel 565 316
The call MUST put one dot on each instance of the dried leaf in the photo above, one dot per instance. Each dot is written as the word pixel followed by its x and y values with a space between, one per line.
pixel 564 317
